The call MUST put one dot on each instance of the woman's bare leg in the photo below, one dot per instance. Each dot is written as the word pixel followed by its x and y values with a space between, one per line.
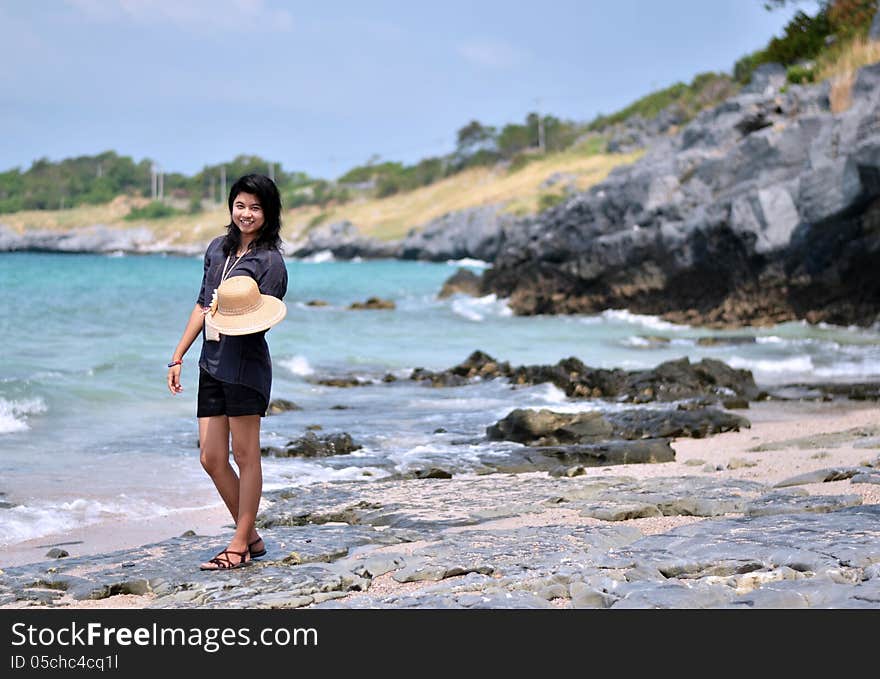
pixel 246 451
pixel 214 444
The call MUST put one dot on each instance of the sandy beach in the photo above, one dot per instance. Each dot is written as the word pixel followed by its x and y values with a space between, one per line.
pixel 785 439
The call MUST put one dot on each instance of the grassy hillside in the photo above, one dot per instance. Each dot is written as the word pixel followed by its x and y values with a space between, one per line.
pixel 489 167
pixel 518 190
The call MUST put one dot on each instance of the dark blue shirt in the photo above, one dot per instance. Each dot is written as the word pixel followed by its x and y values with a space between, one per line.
pixel 241 359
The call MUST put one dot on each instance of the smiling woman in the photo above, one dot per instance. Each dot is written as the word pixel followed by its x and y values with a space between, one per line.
pixel 235 370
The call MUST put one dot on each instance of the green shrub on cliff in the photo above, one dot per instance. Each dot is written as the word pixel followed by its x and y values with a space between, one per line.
pixel 706 89
pixel 154 210
pixel 806 38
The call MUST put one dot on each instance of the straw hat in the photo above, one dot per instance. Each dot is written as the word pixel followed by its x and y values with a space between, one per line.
pixel 242 310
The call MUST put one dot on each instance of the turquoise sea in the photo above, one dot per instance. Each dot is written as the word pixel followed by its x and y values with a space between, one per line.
pixel 89 432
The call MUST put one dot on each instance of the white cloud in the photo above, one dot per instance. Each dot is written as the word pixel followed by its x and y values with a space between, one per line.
pixel 491 53
pixel 199 16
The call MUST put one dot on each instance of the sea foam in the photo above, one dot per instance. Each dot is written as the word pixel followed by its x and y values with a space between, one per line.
pixel 648 321
pixel 298 365
pixel 13 414
pixel 477 308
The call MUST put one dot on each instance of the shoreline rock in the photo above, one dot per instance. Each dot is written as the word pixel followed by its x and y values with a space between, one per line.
pixel 728 223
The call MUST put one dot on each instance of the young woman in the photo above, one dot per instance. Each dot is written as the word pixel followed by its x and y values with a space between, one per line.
pixel 235 370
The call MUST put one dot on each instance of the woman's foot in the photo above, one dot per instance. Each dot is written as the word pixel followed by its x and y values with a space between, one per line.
pixel 257 547
pixel 227 559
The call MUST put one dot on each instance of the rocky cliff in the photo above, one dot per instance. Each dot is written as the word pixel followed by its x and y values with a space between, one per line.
pixel 761 210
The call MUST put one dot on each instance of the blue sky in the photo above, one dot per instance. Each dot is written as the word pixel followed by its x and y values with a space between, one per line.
pixel 323 86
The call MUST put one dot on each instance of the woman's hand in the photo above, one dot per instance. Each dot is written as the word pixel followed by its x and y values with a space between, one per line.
pixel 174 379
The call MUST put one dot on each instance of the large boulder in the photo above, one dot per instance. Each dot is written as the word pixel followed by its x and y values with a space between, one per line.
pixel 472 233
pixel 344 241
pixel 761 210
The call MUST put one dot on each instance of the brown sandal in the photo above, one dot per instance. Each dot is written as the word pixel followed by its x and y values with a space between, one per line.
pixel 223 562
pixel 257 554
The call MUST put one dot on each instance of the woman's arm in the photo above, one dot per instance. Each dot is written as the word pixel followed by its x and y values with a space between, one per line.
pixel 192 330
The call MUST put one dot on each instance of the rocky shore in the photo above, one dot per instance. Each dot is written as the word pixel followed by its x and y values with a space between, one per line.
pixel 762 210
pixel 672 503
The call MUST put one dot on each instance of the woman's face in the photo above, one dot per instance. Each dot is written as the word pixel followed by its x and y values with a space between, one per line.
pixel 247 214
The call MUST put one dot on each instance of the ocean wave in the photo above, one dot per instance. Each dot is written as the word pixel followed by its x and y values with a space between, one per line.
pixel 477 308
pixel 27 522
pixel 298 365
pixel 452 458
pixel 13 414
pixel 320 257
pixel 288 472
pixel 849 369
pixel 648 321
pixel 793 364
pixel 548 393
pixel 469 261
pixel 775 340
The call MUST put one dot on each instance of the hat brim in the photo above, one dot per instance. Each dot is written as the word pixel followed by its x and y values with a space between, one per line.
pixel 271 312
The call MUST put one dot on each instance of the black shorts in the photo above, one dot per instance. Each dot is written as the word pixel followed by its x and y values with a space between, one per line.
pixel 225 398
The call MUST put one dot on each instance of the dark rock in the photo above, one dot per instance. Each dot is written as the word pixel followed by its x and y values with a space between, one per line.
pixel 311 445
pixel 653 341
pixel 669 381
pixel 316 302
pixel 57 553
pixel 697 423
pixel 340 382
pixel 471 233
pixel 340 407
pixel 819 476
pixel 477 365
pixel 463 281
pixel 433 473
pixel 280 405
pixel 646 451
pixel 714 228
pixel 373 303
pixel 720 340
pixel 735 403
pixel 544 427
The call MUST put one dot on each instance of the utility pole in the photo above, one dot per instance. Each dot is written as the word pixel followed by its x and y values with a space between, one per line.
pixel 272 171
pixel 222 182
pixel 161 184
pixel 213 190
pixel 540 125
pixel 154 182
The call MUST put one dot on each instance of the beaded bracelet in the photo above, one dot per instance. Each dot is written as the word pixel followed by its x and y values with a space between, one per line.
pixel 174 363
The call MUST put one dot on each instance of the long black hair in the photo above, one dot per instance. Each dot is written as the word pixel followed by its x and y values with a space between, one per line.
pixel 270 200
